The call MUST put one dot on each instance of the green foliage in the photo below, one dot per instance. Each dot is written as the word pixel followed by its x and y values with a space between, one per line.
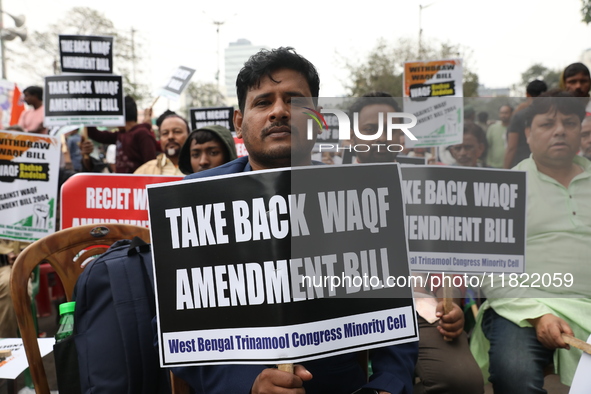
pixel 586 11
pixel 383 68
pixel 39 54
pixel 538 71
pixel 381 71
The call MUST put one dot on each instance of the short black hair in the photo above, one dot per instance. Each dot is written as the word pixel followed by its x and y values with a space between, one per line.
pixel 536 87
pixel 477 132
pixel 483 116
pixel 203 136
pixel 564 102
pixel 130 109
pixel 469 112
pixel 265 62
pixel 175 115
pixel 574 69
pixel 372 98
pixel 165 115
pixel 36 91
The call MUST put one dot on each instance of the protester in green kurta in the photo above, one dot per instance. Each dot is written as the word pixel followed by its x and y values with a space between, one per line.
pixel 496 138
pixel 519 328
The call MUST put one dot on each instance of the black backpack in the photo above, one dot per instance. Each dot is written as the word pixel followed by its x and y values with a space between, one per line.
pixel 113 334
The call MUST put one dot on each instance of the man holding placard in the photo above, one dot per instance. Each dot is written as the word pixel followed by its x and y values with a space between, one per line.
pixel 527 315
pixel 266 86
pixel 442 337
pixel 135 141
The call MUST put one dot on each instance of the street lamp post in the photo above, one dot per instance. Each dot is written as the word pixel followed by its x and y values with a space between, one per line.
pixel 421 8
pixel 9 34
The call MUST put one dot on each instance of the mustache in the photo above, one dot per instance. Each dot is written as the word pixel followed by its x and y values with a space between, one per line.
pixel 293 128
pixel 579 93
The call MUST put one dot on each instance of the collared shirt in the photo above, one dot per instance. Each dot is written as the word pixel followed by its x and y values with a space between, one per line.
pixel 32 119
pixel 496 136
pixel 559 226
pixel 161 165
pixel 558 243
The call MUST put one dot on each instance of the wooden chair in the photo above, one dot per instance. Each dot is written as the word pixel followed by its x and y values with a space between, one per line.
pixel 67 251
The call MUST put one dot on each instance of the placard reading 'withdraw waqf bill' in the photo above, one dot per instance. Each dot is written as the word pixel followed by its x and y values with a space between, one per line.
pixel 433 93
pixel 29 170
pixel 465 220
pixel 280 266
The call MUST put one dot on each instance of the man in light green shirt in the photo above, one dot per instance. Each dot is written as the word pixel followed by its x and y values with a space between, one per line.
pixel 524 320
pixel 496 137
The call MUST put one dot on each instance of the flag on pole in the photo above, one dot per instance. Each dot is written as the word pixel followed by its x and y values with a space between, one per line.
pixel 18 105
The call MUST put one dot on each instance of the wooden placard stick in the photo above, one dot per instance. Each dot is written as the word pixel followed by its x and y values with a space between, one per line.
pixel 582 345
pixel 154 102
pixel 447 300
pixel 84 134
pixel 285 367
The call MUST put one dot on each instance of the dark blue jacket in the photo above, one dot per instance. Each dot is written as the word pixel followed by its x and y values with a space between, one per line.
pixel 393 366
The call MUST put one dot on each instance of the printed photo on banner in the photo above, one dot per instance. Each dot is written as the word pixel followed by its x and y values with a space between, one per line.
pixel 463 220
pixel 83 99
pixel 278 266
pixel 86 54
pixel 432 92
pixel 88 198
pixel 29 172
pixel 177 83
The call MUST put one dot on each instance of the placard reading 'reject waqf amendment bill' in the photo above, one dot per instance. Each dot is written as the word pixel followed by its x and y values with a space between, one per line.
pixel 88 198
pixel 29 170
pixel 280 266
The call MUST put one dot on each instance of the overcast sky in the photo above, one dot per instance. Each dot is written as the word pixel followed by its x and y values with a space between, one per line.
pixel 505 36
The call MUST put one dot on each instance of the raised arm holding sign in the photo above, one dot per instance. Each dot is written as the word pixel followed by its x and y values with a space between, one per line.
pixel 440 319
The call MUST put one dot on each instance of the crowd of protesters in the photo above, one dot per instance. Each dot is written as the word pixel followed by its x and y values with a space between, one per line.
pixel 515 339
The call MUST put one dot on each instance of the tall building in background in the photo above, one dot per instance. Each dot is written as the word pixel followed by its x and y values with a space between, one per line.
pixel 235 55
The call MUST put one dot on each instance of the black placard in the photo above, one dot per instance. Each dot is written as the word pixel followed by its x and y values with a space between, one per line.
pixel 223 116
pixel 84 99
pixel 334 221
pixel 465 219
pixel 86 54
